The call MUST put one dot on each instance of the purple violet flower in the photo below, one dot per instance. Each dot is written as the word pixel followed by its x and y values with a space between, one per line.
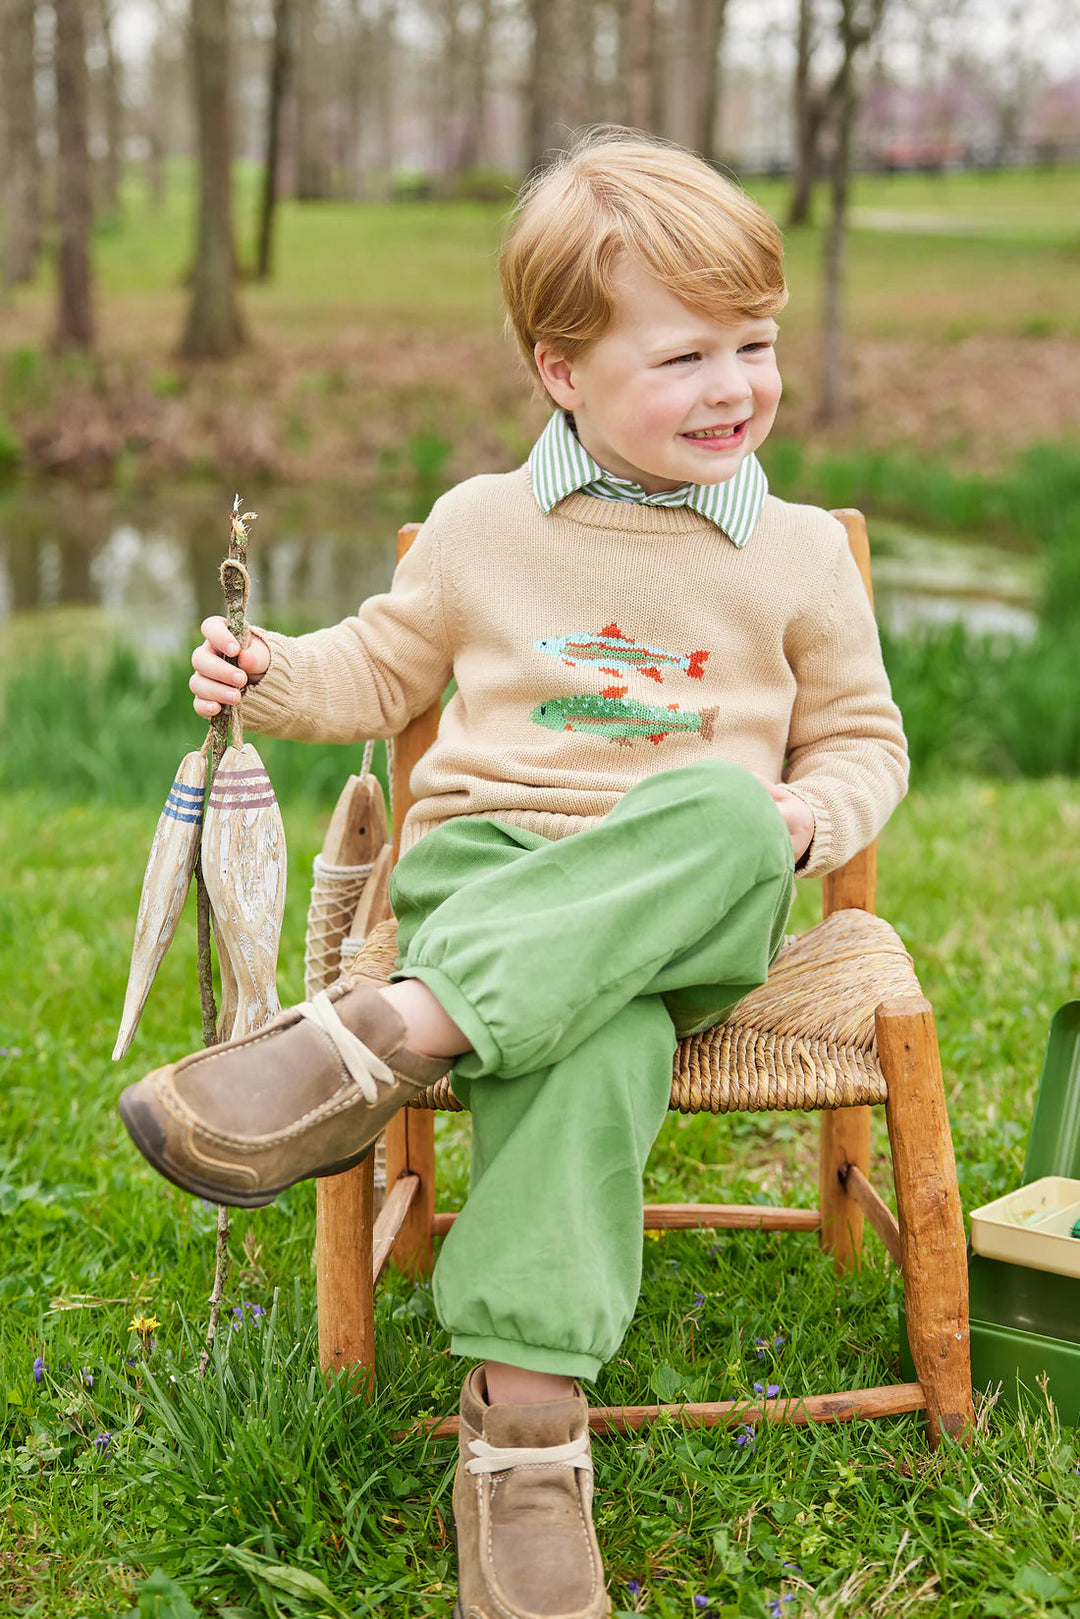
pixel 746 1434
pixel 633 1587
pixel 776 1606
pixel 40 1369
pixel 87 1376
pixel 770 1390
pixel 701 1602
pixel 101 1440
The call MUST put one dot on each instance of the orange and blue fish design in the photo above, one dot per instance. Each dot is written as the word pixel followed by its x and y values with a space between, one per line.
pixel 613 653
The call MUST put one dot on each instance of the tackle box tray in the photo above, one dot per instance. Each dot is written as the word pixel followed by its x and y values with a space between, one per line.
pixel 1032 1226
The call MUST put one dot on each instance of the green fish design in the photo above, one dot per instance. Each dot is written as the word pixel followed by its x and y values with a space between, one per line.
pixel 623 720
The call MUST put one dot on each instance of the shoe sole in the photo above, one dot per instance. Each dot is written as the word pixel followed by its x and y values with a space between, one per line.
pixel 141 1126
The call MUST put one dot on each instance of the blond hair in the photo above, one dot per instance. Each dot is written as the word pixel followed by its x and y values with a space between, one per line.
pixel 618 192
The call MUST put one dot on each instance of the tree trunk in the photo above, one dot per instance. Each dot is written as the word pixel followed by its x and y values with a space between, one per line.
pixel 637 30
pixel 214 328
pixel 857 27
pixel 547 73
pixel 808 121
pixel 712 39
pixel 473 148
pixel 21 187
pixel 113 166
pixel 313 179
pixel 280 64
pixel 74 315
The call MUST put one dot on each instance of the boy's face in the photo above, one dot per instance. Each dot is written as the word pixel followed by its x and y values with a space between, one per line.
pixel 668 395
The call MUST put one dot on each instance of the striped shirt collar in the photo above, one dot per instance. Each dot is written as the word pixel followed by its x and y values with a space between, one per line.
pixel 559 464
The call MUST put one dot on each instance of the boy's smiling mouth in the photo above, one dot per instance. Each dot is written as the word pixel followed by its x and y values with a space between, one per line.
pixel 705 435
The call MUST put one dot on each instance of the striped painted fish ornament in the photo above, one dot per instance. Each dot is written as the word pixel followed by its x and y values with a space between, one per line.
pixel 165 884
pixel 243 858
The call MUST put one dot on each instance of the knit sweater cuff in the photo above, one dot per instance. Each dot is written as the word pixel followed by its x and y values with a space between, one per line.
pixel 270 706
pixel 818 858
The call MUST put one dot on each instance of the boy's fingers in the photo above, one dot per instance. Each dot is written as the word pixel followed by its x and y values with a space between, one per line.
pixel 219 636
pixel 206 662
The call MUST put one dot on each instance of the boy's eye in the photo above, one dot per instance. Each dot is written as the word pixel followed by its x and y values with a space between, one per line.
pixel 755 348
pixel 682 359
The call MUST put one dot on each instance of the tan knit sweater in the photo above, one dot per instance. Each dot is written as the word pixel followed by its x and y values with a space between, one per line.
pixel 599 643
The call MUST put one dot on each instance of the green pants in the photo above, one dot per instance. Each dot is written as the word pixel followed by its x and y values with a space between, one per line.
pixel 570 966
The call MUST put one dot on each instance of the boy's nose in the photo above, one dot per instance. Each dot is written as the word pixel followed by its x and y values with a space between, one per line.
pixel 726 385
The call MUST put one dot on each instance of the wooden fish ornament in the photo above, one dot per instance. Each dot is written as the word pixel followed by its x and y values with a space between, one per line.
pixel 243 861
pixel 229 993
pixel 355 836
pixel 165 884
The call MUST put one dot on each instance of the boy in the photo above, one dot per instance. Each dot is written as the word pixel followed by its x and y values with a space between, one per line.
pixel 669 697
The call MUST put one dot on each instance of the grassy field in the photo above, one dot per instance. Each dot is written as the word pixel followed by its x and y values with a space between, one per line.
pixel 260 1491
pixel 382 325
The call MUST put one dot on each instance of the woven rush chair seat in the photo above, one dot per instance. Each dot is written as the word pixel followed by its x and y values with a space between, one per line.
pixel 804 1040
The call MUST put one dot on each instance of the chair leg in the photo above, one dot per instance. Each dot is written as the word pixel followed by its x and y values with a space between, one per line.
pixel 928 1205
pixel 344 1226
pixel 410 1149
pixel 845 1139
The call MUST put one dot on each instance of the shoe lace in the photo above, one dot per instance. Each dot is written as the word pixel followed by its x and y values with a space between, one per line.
pixel 362 1063
pixel 500 1458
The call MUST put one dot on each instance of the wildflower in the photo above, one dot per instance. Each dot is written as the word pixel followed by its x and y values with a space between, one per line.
pixel 794 1566
pixel 40 1369
pixel 770 1390
pixel 10 1051
pixel 746 1434
pixel 87 1376
pixel 764 1346
pixel 238 1309
pixel 101 1440
pixel 701 1602
pixel 699 1300
pixel 776 1606
pixel 633 1587
pixel 144 1326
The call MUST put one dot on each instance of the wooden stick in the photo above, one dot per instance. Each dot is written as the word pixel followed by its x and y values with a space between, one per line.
pixel 931 1221
pixel 390 1220
pixel 879 1214
pixel 890 1401
pixel 343 1273
pixel 696 1216
pixel 845 1139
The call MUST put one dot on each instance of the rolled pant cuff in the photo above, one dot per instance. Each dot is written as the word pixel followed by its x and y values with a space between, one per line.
pixel 530 1357
pixel 488 1055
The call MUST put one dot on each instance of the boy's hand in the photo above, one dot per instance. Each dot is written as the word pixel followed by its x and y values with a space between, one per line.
pixel 217 682
pixel 798 817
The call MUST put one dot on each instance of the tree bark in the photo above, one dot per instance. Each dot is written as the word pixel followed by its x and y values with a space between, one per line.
pixel 712 39
pixel 214 327
pixel 280 67
pixel 313 176
pixel 74 316
pixel 857 26
pixel 473 148
pixel 637 31
pixel 808 109
pixel 113 165
pixel 547 71
pixel 22 166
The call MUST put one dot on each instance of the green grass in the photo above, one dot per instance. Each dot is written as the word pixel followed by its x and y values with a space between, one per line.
pixel 263 1491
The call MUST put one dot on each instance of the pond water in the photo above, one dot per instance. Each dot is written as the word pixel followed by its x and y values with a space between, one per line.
pixel 91 567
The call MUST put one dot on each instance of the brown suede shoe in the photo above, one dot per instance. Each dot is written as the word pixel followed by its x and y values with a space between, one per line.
pixel 526 1545
pixel 306 1095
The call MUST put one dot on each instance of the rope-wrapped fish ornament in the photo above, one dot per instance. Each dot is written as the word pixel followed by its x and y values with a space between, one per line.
pixel 166 881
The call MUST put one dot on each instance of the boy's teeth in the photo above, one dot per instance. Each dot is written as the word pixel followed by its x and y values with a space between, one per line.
pixel 713 432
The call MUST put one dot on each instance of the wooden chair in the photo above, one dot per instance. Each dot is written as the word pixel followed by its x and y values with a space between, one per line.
pixel 840 1026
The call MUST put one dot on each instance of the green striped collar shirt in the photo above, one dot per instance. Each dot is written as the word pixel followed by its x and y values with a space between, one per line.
pixel 559 464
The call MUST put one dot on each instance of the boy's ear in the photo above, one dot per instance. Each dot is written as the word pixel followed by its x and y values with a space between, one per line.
pixel 556 374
